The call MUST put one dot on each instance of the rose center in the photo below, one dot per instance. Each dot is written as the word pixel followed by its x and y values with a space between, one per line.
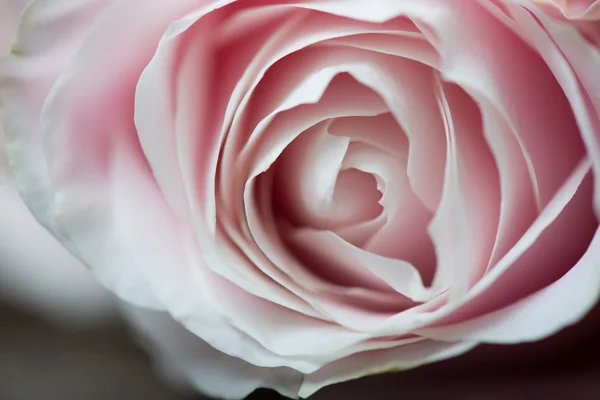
pixel 317 186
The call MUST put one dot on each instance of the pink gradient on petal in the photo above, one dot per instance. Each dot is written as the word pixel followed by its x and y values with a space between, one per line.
pixel 403 234
pixel 475 49
pixel 36 272
pixel 313 189
pixel 559 245
pixel 465 225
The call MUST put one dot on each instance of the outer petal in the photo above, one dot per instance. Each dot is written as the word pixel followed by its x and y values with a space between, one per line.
pixel 575 63
pixel 50 33
pixel 10 10
pixel 563 303
pixel 556 241
pixel 379 361
pixel 182 355
pixel 35 270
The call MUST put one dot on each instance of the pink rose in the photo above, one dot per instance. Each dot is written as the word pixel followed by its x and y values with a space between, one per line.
pixel 327 188
pixel 36 272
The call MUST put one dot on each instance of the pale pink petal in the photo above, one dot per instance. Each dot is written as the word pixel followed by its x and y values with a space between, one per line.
pixel 309 174
pixel 375 74
pixel 208 251
pixel 551 246
pixel 539 315
pixel 412 45
pixel 380 132
pixel 183 356
pixel 464 227
pixel 192 294
pixel 260 261
pixel 388 360
pixel 37 273
pixel 382 11
pixel 574 63
pixel 347 103
pixel 517 208
pixel 155 105
pixel 80 144
pixel 41 53
pixel 38 57
pixel 474 57
pixel 203 239
pixel 403 234
pixel 401 275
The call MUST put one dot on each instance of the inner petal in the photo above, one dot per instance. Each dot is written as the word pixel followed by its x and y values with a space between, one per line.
pixel 403 232
pixel 355 288
pixel 465 225
pixel 356 196
pixel 379 73
pixel 250 156
pixel 310 188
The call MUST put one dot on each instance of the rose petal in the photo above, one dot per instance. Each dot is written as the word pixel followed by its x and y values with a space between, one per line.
pixel 412 45
pixel 186 287
pixel 539 115
pixel 557 43
pixel 566 226
pixel 465 224
pixel 40 54
pixel 539 315
pixel 517 208
pixel 403 235
pixel 178 352
pixel 374 362
pixel 36 272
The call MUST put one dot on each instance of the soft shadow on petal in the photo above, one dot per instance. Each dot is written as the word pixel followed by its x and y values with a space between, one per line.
pixel 550 248
pixel 539 315
pixel 574 62
pixel 464 227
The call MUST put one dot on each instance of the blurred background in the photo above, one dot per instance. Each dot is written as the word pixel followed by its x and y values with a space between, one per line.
pixel 42 361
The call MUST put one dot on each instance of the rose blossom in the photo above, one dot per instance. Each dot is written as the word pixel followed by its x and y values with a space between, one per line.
pixel 36 272
pixel 327 188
